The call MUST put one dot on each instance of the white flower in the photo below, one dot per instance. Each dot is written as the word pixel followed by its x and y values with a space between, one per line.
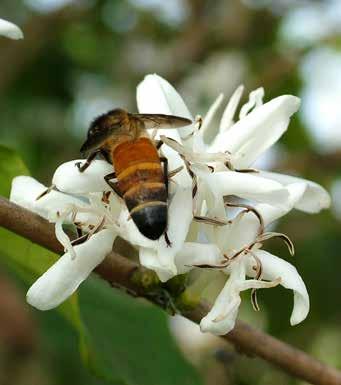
pixel 241 243
pixel 10 30
pixel 64 277
pixel 236 247
pixel 99 233
pixel 236 144
pixel 210 173
pixel 82 199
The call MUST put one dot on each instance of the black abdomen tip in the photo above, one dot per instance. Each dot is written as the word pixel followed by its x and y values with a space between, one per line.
pixel 151 220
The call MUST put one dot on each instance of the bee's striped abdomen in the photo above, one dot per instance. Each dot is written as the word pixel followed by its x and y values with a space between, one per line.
pixel 141 183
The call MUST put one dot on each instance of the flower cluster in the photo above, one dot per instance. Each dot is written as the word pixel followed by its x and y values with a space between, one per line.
pixel 205 228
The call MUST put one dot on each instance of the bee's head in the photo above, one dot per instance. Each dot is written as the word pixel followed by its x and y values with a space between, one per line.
pixel 102 128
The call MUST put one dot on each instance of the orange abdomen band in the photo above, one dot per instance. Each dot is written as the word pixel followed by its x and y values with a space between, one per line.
pixel 142 185
pixel 134 152
pixel 136 162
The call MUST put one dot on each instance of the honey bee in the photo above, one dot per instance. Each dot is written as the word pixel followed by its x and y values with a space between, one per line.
pixel 139 178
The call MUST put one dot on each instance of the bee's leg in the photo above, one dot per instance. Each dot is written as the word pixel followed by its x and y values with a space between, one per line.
pixel 158 144
pixel 86 164
pixel 169 243
pixel 106 155
pixel 165 171
pixel 165 175
pixel 114 185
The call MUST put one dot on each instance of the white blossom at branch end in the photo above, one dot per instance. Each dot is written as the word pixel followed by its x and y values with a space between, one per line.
pixel 10 30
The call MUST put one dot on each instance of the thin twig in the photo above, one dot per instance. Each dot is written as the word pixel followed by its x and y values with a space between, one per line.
pixel 122 272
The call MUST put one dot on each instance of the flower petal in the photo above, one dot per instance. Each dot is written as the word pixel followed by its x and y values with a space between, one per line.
pixel 273 268
pixel 63 238
pixel 244 185
pixel 230 110
pixel 128 231
pixel 240 234
pixel 158 255
pixel 255 101
pixel 63 278
pixel 174 161
pixel 156 96
pixel 261 128
pixel 180 214
pixel 10 30
pixel 245 226
pixel 149 258
pixel 271 213
pixel 313 200
pixel 179 219
pixel 195 254
pixel 197 157
pixel 207 129
pixel 207 121
pixel 26 189
pixel 222 316
pixel 69 179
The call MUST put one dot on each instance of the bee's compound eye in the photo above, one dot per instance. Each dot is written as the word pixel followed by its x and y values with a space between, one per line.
pixel 92 131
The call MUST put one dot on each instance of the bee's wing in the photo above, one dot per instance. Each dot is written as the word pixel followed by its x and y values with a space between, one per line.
pixel 162 121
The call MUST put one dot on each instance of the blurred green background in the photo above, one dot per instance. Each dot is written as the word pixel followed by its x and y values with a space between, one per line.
pixel 79 59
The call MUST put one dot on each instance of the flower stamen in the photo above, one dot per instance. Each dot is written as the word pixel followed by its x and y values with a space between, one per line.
pixel 194 156
pixel 259 269
pixel 80 240
pixel 211 221
pixel 249 209
pixel 61 235
pixel 284 237
pixel 48 190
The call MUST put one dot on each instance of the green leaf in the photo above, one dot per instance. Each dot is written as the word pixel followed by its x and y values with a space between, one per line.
pixel 11 165
pixel 133 337
pixel 29 260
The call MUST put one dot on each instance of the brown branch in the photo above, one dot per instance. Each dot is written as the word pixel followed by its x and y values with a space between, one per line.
pixel 120 271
